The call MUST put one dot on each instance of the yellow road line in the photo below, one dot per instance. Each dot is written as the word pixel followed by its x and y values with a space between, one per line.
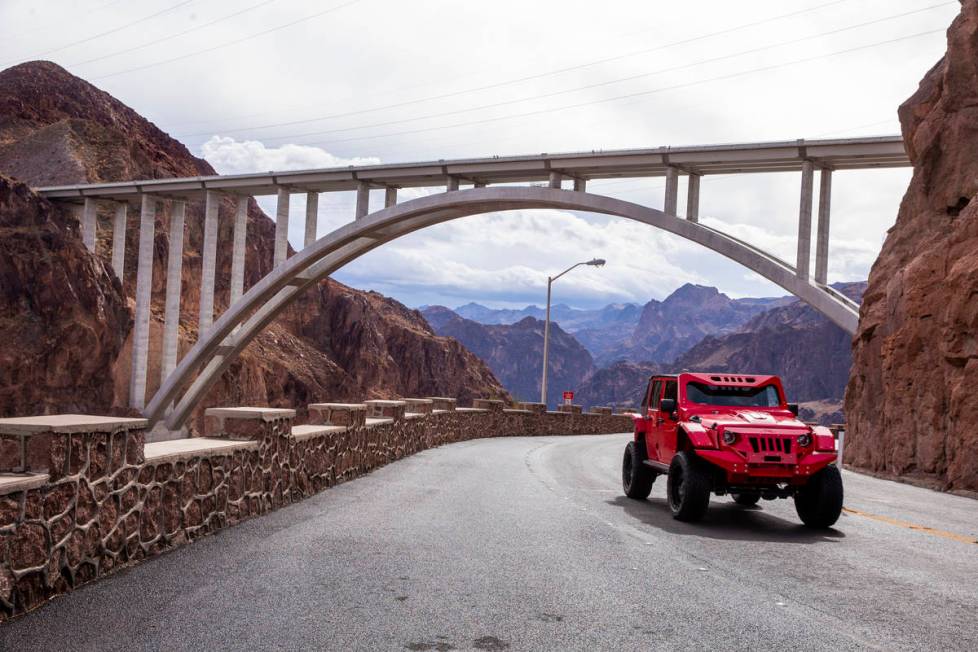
pixel 960 538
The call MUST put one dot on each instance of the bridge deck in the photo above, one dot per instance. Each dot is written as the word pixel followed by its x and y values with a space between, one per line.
pixel 783 156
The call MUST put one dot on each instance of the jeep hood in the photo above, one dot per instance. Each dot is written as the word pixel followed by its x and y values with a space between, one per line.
pixel 750 418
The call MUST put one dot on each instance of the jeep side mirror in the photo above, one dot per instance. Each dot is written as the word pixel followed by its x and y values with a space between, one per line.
pixel 668 405
pixel 793 408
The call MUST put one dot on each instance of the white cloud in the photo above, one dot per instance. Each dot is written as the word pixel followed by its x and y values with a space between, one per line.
pixel 229 156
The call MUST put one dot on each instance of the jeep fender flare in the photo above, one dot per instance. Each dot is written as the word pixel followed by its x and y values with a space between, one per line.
pixel 824 439
pixel 695 434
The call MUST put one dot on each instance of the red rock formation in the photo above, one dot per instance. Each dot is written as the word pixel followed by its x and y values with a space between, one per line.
pixel 334 343
pixel 63 318
pixel 912 399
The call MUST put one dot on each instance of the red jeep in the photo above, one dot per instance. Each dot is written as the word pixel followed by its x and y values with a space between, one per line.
pixel 730 433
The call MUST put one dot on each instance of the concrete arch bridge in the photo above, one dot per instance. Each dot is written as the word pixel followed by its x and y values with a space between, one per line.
pixel 185 382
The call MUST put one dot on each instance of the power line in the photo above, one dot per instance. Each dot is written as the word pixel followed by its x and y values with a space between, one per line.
pixel 550 73
pixel 576 89
pixel 634 95
pixel 97 36
pixel 230 43
pixel 173 36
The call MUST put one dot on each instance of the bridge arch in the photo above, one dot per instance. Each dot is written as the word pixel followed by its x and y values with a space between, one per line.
pixel 245 318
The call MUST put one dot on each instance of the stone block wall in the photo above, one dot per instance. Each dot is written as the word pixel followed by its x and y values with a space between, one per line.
pixel 95 497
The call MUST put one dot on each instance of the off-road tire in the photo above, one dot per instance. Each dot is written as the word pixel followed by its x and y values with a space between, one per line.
pixel 688 487
pixel 746 498
pixel 636 477
pixel 819 503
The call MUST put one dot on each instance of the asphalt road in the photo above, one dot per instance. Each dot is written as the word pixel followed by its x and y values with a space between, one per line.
pixel 528 544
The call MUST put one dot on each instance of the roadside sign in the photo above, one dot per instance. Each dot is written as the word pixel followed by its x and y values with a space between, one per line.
pixel 568 398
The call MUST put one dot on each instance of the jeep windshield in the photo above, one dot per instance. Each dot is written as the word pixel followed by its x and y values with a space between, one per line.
pixel 765 396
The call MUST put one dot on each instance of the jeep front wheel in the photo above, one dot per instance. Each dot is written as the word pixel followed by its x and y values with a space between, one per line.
pixel 636 478
pixel 819 503
pixel 746 498
pixel 688 488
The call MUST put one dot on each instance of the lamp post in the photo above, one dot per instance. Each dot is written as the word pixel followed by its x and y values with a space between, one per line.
pixel 595 262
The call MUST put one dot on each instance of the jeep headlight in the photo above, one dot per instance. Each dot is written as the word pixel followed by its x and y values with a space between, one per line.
pixel 804 440
pixel 729 437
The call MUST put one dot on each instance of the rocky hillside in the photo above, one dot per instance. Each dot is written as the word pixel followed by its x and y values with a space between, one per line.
pixel 63 317
pixel 514 352
pixel 669 328
pixel 621 384
pixel 912 399
pixel 810 353
pixel 335 343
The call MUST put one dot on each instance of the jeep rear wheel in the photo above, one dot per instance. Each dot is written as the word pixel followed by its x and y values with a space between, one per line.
pixel 688 487
pixel 819 503
pixel 746 498
pixel 636 478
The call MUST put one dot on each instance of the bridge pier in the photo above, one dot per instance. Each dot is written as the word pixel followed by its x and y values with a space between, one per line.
pixel 88 222
pixel 174 270
pixel 239 240
pixel 281 227
pixel 672 191
pixel 693 198
pixel 212 203
pixel 555 180
pixel 580 185
pixel 312 217
pixel 451 183
pixel 119 239
pixel 144 290
pixel 390 196
pixel 803 262
pixel 822 230
pixel 363 199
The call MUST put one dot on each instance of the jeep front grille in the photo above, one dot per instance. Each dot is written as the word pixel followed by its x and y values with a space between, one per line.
pixel 770 444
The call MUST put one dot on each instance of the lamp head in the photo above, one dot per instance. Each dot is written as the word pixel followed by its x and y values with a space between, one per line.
pixel 597 262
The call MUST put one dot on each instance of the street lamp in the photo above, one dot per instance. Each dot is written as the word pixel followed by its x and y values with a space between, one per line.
pixel 595 262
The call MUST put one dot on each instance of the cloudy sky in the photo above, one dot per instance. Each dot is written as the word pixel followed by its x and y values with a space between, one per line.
pixel 259 85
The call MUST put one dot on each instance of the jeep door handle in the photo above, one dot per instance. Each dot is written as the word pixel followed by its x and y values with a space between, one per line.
pixel 659 421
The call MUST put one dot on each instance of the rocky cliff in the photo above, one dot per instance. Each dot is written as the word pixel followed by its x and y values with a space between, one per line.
pixel 912 398
pixel 334 343
pixel 514 352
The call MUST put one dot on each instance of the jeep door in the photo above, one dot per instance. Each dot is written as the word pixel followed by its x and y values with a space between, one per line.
pixel 665 423
pixel 650 415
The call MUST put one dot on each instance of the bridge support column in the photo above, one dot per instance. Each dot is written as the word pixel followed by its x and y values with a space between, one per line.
pixel 208 266
pixel 822 230
pixel 238 248
pixel 281 227
pixel 693 198
pixel 451 183
pixel 390 196
pixel 312 217
pixel 144 292
pixel 672 191
pixel 174 270
pixel 580 185
pixel 119 239
pixel 88 221
pixel 363 199
pixel 479 184
pixel 555 179
pixel 805 221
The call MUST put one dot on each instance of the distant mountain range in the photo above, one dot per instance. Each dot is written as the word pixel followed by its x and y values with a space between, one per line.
pixel 607 355
pixel 514 352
